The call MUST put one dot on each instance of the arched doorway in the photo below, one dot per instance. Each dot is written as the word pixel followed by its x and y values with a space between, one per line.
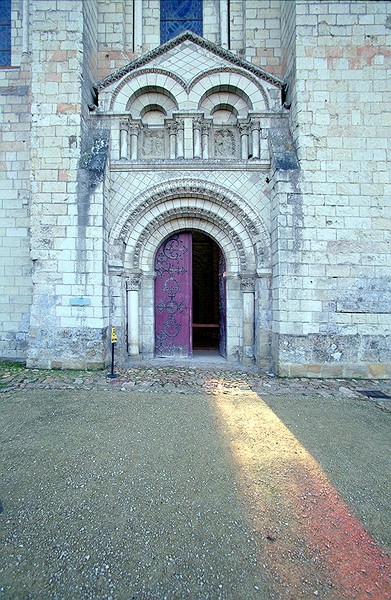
pixel 189 298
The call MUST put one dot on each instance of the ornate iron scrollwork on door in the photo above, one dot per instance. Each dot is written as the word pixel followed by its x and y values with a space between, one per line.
pixel 173 296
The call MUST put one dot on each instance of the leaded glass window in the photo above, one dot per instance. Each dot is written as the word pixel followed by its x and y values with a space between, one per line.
pixel 5 33
pixel 177 16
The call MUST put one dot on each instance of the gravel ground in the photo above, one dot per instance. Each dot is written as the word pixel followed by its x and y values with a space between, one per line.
pixel 192 483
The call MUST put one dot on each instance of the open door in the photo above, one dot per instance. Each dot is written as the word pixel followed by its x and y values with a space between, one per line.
pixel 222 306
pixel 173 297
pixel 190 290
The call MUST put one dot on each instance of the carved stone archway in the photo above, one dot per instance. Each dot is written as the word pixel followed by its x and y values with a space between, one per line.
pixel 189 205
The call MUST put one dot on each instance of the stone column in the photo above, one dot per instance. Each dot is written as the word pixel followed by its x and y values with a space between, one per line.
pixel 132 291
pixel 25 26
pixel 123 140
pixel 205 127
pixel 255 126
pixel 263 319
pixel 224 23
pixel 172 131
pixel 134 129
pixel 197 123
pixel 244 130
pixel 248 289
pixel 180 138
pixel 138 26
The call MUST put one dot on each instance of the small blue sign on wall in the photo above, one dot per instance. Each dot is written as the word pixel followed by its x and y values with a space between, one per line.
pixel 79 301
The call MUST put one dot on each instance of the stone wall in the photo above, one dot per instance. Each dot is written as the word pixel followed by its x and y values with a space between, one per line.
pixel 15 124
pixel 334 318
pixel 262 41
pixel 329 211
pixel 115 38
pixel 252 31
pixel 66 314
pixel 15 272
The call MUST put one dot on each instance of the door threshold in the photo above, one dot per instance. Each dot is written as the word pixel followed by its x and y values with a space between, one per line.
pixel 200 356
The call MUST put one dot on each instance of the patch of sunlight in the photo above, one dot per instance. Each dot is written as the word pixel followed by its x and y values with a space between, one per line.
pixel 306 537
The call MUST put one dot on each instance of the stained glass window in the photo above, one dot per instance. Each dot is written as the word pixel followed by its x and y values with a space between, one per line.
pixel 5 33
pixel 179 15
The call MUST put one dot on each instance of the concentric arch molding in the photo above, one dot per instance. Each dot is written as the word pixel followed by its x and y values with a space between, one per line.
pixel 222 201
pixel 190 86
pixel 236 71
pixel 140 73
pixel 239 256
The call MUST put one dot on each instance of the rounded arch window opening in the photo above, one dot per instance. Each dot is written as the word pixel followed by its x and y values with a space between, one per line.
pixel 190 296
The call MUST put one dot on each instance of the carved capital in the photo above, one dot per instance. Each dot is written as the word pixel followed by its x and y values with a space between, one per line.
pixel 134 128
pixel 124 125
pixel 255 125
pixel 172 128
pixel 197 123
pixel 205 127
pixel 244 128
pixel 133 283
pixel 247 283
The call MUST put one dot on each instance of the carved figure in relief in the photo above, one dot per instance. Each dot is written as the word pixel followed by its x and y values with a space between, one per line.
pixel 153 145
pixel 224 143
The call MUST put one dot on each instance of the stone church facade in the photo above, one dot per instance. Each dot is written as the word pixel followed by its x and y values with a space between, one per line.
pixel 199 175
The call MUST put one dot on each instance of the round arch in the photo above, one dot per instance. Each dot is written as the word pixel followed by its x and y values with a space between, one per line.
pixel 147 79
pixel 233 221
pixel 233 79
pixel 188 206
pixel 148 243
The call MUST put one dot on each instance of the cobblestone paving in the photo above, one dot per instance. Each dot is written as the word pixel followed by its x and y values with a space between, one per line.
pixel 184 378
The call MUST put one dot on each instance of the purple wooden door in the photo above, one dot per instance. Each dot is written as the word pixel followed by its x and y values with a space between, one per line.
pixel 222 307
pixel 173 296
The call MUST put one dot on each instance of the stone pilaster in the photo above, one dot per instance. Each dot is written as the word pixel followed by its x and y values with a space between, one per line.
pixel 134 132
pixel 244 129
pixel 132 292
pixel 197 126
pixel 124 140
pixel 247 284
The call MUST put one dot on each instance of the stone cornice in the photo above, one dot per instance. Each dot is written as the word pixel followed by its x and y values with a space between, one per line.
pixel 144 59
pixel 191 165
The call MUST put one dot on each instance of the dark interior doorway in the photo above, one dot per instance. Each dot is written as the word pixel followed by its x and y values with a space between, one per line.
pixel 205 323
pixel 190 296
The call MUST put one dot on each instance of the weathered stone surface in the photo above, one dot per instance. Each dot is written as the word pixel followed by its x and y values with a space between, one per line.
pixel 275 149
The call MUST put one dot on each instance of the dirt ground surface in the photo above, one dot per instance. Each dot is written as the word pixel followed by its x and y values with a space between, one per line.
pixel 199 482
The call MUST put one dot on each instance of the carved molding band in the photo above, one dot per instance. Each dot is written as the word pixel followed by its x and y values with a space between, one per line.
pixel 203 43
pixel 188 188
pixel 138 74
pixel 176 214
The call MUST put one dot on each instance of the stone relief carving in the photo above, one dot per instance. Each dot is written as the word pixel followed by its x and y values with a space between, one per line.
pixel 224 143
pixel 153 143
